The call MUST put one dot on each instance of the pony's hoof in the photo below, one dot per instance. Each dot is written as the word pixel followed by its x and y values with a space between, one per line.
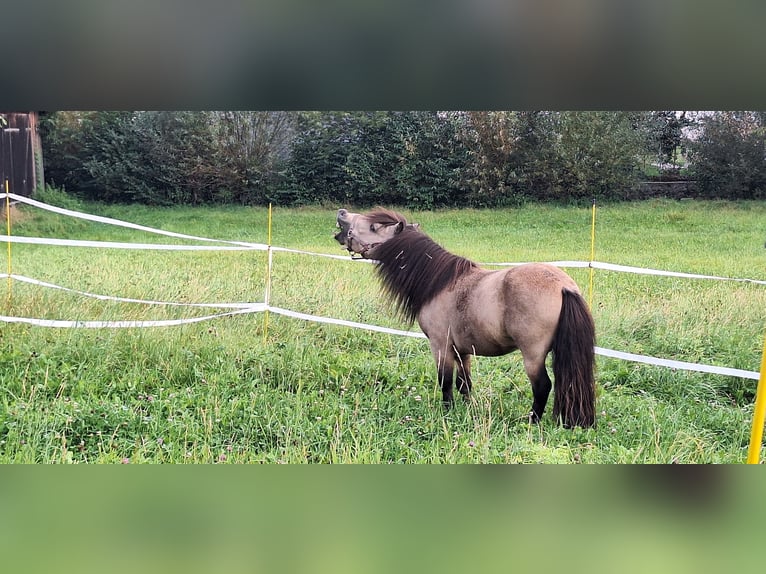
pixel 534 418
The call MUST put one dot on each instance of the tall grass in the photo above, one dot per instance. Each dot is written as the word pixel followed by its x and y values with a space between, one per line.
pixel 224 391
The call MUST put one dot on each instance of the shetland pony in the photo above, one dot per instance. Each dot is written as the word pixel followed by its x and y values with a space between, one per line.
pixel 465 310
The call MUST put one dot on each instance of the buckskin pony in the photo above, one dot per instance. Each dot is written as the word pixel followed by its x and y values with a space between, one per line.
pixel 465 310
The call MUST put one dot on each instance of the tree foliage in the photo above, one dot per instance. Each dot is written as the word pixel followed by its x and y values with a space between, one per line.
pixel 166 157
pixel 665 138
pixel 494 140
pixel 551 155
pixel 596 154
pixel 728 160
pixel 253 148
pixel 365 158
pixel 418 159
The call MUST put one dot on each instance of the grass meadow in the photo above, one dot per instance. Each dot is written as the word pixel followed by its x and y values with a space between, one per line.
pixel 225 391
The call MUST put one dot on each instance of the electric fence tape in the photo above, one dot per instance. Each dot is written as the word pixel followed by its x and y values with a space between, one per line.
pixel 243 308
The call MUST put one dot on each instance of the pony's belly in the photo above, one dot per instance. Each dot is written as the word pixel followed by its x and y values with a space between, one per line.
pixel 484 346
pixel 468 320
pixel 481 337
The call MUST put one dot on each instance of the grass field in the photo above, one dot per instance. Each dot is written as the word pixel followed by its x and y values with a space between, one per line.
pixel 219 391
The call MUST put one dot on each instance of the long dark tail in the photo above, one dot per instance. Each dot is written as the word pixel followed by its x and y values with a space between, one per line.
pixel 574 398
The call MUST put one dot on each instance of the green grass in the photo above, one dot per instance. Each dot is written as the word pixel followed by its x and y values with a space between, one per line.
pixel 219 391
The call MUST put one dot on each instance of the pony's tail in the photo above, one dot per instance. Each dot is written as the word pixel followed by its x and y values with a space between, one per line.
pixel 574 398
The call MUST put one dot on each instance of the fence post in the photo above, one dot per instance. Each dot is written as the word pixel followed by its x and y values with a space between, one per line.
pixel 8 229
pixel 267 296
pixel 592 251
pixel 759 414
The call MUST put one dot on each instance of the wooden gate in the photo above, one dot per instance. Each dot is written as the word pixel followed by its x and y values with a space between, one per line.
pixel 20 153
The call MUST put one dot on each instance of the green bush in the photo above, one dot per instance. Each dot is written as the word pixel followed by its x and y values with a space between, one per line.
pixel 164 158
pixel 728 160
pixel 58 197
pixel 551 156
pixel 368 158
pixel 416 159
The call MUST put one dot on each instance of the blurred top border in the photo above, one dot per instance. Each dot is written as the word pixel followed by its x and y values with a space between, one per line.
pixel 482 54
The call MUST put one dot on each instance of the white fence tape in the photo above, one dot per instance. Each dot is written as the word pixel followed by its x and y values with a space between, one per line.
pixel 681 365
pixel 242 308
pixel 241 245
pixel 121 245
pixel 570 264
pixel 642 271
pixel 629 269
pixel 31 281
pixel 344 323
pixel 55 323
pixel 342 257
pixel 260 307
pixel 119 223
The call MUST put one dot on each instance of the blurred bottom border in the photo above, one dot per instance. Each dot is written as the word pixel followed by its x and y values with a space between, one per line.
pixel 376 518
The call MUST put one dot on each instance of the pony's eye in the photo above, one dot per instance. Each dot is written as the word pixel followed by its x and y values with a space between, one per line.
pixel 372 227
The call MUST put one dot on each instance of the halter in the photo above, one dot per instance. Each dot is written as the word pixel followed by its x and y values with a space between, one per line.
pixel 365 246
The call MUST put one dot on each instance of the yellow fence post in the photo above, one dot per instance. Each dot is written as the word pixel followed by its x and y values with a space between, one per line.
pixel 8 229
pixel 267 297
pixel 759 414
pixel 592 251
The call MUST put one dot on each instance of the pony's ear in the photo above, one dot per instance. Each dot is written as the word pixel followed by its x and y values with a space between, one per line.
pixel 399 227
pixel 415 225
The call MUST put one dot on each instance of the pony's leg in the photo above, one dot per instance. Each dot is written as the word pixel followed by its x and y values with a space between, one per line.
pixel 541 385
pixel 445 369
pixel 464 383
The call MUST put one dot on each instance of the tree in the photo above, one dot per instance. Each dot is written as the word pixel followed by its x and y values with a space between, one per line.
pixel 420 159
pixel 728 160
pixel 252 148
pixel 315 171
pixel 111 158
pixel 180 158
pixel 167 157
pixel 535 158
pixel 596 154
pixel 551 155
pixel 367 158
pixel 490 138
pixel 62 147
pixel 427 159
pixel 665 135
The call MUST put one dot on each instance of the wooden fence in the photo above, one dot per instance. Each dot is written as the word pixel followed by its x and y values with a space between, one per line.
pixel 20 152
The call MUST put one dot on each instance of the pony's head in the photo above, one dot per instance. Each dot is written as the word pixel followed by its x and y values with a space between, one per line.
pixel 360 233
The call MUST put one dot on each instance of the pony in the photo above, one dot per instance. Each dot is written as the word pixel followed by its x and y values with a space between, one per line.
pixel 465 310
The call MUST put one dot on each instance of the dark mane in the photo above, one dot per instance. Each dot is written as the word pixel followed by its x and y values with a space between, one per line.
pixel 414 269
pixel 386 217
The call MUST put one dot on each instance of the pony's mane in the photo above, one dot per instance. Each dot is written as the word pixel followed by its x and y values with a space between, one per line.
pixel 414 269
pixel 386 217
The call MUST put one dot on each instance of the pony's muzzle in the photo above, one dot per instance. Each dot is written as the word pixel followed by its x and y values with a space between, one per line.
pixel 344 223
